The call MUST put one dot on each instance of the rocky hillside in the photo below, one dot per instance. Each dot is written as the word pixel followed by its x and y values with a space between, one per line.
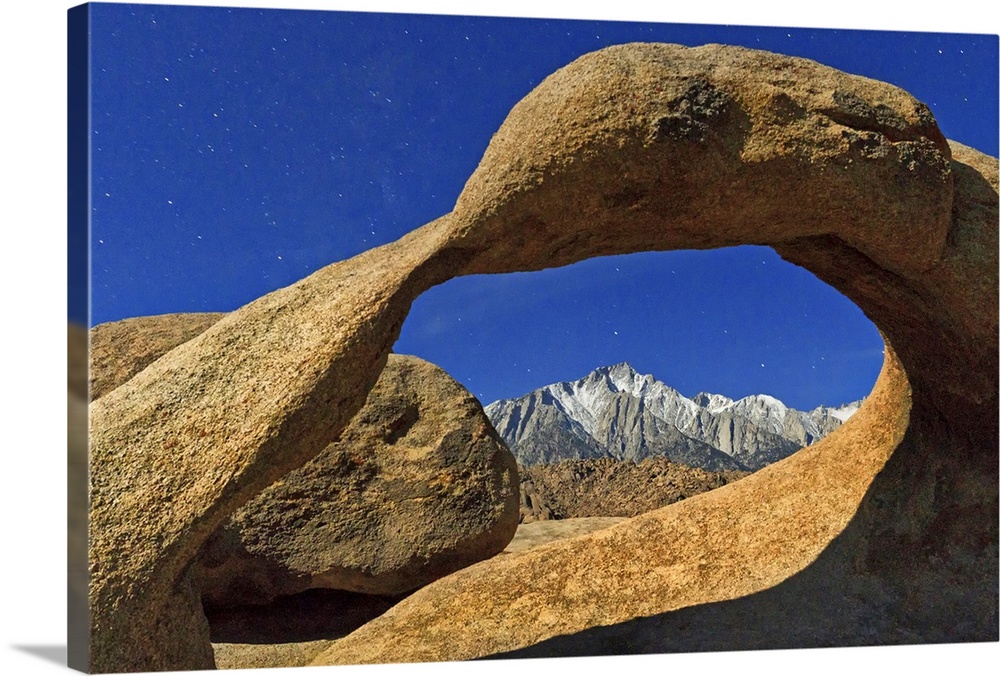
pixel 615 412
pixel 605 487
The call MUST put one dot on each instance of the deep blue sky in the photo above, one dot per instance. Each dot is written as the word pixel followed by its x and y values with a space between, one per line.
pixel 237 150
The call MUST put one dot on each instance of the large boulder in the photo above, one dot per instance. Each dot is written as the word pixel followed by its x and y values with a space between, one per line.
pixel 419 486
pixel 886 531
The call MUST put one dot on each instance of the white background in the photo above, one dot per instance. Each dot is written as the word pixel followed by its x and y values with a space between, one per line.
pixel 32 233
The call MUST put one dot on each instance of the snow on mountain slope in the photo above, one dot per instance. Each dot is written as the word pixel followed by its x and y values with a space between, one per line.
pixel 617 412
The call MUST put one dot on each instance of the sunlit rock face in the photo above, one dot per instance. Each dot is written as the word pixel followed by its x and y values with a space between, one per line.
pixel 119 350
pixel 885 531
pixel 417 487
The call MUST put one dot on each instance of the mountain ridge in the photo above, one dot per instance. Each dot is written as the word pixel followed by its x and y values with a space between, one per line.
pixel 615 411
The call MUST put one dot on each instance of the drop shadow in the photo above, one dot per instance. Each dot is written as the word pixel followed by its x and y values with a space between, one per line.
pixel 56 654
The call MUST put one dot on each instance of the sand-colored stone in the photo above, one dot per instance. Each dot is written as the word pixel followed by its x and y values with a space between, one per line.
pixel 537 533
pixel 282 634
pixel 266 655
pixel 632 148
pixel 418 486
pixel 883 533
pixel 76 360
pixel 119 350
pixel 76 531
pixel 179 447
pixel 77 612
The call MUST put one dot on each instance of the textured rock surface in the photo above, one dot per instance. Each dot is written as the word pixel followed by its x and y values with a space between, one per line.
pixel 420 432
pixel 887 529
pixel 606 487
pixel 76 467
pixel 292 631
pixel 266 655
pixel 538 533
pixel 119 350
pixel 170 462
pixel 418 486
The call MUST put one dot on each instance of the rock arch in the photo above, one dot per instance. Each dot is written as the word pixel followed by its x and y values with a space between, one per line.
pixel 635 147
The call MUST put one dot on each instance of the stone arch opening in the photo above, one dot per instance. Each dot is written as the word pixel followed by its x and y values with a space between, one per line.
pixel 637 147
pixel 654 310
pixel 735 323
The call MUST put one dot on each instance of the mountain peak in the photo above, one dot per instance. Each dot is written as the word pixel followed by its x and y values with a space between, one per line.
pixel 712 402
pixel 621 368
pixel 623 377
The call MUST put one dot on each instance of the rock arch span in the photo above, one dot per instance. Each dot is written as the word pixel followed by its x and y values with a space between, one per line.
pixel 635 147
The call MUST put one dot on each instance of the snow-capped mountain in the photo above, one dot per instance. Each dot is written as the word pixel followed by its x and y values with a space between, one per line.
pixel 616 412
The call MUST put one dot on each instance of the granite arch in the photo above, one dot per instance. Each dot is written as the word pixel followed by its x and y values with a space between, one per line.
pixel 635 147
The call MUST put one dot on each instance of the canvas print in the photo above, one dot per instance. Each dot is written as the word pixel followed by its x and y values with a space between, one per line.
pixel 413 338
